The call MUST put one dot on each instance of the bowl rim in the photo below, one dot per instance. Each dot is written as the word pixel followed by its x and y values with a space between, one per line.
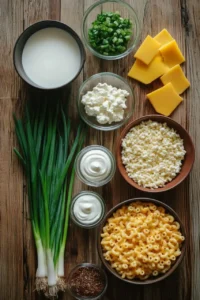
pixel 57 25
pixel 111 57
pixel 160 119
pixel 147 281
pixel 113 126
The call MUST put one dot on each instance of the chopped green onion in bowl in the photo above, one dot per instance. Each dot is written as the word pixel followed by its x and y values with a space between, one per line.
pixel 110 29
pixel 110 33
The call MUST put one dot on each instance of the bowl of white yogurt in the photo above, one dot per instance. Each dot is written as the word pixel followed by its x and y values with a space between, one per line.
pixel 95 165
pixel 87 209
pixel 48 55
pixel 106 101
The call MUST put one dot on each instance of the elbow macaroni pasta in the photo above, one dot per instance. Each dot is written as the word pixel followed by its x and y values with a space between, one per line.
pixel 141 240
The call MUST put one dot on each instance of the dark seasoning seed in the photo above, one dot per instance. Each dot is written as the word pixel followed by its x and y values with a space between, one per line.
pixel 87 281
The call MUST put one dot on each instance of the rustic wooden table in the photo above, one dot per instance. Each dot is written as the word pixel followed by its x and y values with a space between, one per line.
pixel 17 254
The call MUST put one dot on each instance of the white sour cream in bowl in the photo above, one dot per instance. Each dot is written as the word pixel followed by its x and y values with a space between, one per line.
pixel 87 209
pixel 95 165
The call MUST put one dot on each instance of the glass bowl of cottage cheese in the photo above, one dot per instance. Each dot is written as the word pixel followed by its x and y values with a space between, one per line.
pixel 105 101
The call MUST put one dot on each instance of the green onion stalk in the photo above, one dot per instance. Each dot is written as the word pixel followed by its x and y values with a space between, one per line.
pixel 48 160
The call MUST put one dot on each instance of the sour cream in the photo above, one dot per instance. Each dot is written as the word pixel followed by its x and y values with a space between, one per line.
pixel 95 165
pixel 87 209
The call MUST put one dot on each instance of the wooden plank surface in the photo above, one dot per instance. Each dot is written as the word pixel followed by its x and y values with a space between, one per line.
pixel 17 253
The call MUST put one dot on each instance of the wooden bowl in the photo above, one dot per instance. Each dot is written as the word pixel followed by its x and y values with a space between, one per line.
pixel 186 165
pixel 151 279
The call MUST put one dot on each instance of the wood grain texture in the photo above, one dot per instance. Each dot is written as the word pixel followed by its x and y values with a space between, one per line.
pixel 17 252
pixel 191 22
pixel 11 182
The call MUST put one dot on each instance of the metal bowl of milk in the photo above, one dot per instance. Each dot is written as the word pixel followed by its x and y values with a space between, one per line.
pixel 49 55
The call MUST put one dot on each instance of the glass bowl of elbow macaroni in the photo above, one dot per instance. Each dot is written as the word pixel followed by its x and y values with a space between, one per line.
pixel 105 101
pixel 141 241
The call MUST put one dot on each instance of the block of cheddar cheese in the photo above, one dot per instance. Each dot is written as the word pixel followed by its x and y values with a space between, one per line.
pixel 148 50
pixel 148 73
pixel 163 37
pixel 176 76
pixel 165 99
pixel 171 54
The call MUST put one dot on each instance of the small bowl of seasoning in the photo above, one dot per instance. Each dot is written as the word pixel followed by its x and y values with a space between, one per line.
pixel 95 165
pixel 106 101
pixel 87 281
pixel 110 29
pixel 87 209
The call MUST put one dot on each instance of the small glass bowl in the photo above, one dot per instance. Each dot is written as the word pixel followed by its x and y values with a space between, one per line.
pixel 111 79
pixel 78 169
pixel 125 10
pixel 73 217
pixel 88 265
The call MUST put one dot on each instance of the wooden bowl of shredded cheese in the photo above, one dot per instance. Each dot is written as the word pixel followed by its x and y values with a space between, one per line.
pixel 141 241
pixel 155 153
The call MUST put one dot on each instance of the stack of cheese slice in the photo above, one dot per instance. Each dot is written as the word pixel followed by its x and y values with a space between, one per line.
pixel 161 57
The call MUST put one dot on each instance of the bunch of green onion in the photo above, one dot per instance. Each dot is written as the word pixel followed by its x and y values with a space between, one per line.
pixel 110 33
pixel 43 136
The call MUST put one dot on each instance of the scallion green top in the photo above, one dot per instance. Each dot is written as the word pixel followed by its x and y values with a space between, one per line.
pixel 110 33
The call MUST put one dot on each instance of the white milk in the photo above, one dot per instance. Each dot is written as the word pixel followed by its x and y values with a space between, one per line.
pixel 51 57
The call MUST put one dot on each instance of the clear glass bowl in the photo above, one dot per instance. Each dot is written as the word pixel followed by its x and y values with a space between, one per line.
pixel 125 10
pixel 111 79
pixel 80 174
pixel 88 265
pixel 73 217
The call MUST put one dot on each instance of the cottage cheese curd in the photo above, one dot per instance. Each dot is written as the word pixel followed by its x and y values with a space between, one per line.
pixel 152 154
pixel 106 103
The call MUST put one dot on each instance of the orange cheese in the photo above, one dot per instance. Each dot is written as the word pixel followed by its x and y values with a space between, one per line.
pixel 176 76
pixel 148 73
pixel 147 50
pixel 165 99
pixel 171 54
pixel 163 37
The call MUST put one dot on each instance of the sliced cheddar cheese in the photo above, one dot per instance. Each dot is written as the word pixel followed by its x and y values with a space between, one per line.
pixel 171 54
pixel 163 37
pixel 165 99
pixel 148 73
pixel 148 50
pixel 176 76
